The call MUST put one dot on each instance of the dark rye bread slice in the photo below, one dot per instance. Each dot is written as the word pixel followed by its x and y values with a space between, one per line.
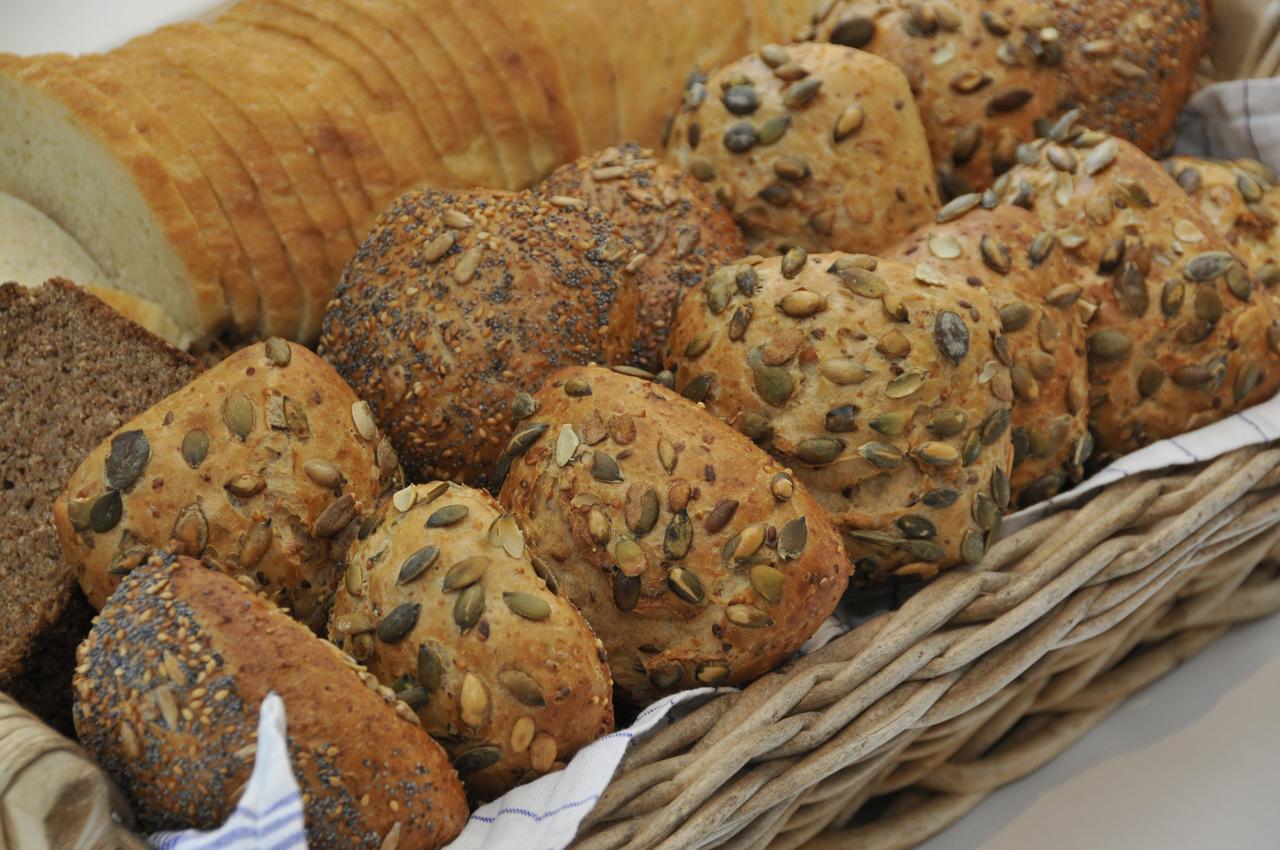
pixel 74 371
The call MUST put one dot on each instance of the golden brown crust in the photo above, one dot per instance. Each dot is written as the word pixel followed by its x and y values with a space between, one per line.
pixel 683 231
pixel 1008 252
pixel 980 71
pixel 451 612
pixel 1242 201
pixel 1176 337
pixel 1130 64
pixel 695 557
pixel 167 698
pixel 457 301
pixel 276 505
pixel 833 157
pixel 889 397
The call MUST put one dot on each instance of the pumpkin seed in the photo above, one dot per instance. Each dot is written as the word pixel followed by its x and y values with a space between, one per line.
pixel 1268 275
pixel 924 550
pixel 523 688
pixel 524 439
pixel 1041 247
pixel 917 527
pixel 966 143
pixel 1009 100
pixel 801 93
pixel 816 451
pixel 843 371
pixel 127 459
pixel 793 261
pixel 741 99
pixel 1193 377
pixel 904 385
pixel 973 547
pixel 951 336
pixel 1208 305
pixel 195 447
pixel 1208 266
pixel 1171 297
pixel 598 526
pixel 859 281
pixel 948 422
pixel 473 701
pixel 883 455
pixel 463 574
pixel 447 515
pixel 106 511
pixel 1150 379
pixel 802 303
pixel 781 487
pixel 577 388
pixel 720 515
pixel 1064 295
pixel 352 577
pixel 740 137
pixel 351 623
pixel 667 455
pixel 278 351
pixel 1238 283
pixel 245 485
pixel 1194 331
pixel 630 557
pixel 605 468
pixel 937 454
pixel 711 672
pixel 995 254
pixel 957 207
pixel 396 625
pixel 854 31
pixel 362 418
pixel 891 423
pixel 566 445
pixel 417 563
pixel 1247 379
pixel 685 585
pixel 473 761
pixel 840 419
pixel 994 426
pixel 768 582
pixel 748 617
pixel 1110 345
pixel 1082 450
pixel 941 498
pixel 1101 156
pixel 545 573
pixel 1249 188
pixel 1014 317
pixel 237 414
pixel 773 129
pixel 971 449
pixel 773 383
pixel 468 607
pixel 678 536
pixel 527 605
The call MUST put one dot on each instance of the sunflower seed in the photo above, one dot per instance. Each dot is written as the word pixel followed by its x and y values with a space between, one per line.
pixel 883 455
pixel 1110 345
pixel 711 672
pixel 324 474
pixel 237 414
pixel 1009 100
pixel 678 536
pixel 959 206
pixel 127 459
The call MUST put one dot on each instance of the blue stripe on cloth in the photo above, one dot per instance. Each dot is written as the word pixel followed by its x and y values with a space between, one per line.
pixel 228 837
pixel 1254 425
pixel 1186 451
pixel 535 815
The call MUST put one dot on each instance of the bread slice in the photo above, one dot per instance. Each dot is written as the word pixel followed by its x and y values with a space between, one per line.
pixel 323 133
pixel 65 150
pixel 33 248
pixel 111 78
pixel 593 79
pixel 561 66
pixel 341 91
pixel 277 167
pixel 200 118
pixel 404 146
pixel 74 371
pixel 139 311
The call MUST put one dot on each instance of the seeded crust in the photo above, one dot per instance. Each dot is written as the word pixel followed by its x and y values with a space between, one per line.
pixel 860 192
pixel 74 371
pixel 1130 64
pixel 1167 353
pixel 1242 202
pixel 976 106
pixel 696 558
pixel 111 78
pixel 192 112
pixel 898 426
pixel 276 505
pixel 440 360
pixel 168 690
pixel 456 617
pixel 1035 294
pixel 683 231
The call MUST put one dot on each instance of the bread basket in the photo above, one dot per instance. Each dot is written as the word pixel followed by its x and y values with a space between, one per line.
pixel 897 729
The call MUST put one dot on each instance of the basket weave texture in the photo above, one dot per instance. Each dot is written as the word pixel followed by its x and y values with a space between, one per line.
pixel 980 678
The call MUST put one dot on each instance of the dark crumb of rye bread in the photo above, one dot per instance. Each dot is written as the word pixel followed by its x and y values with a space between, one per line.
pixel 73 371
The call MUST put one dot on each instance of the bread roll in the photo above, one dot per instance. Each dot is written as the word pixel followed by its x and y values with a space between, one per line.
pixel 260 465
pixel 884 385
pixel 458 301
pixel 167 698
pixel 695 557
pixel 1006 251
pixel 443 602
pixel 682 230
pixel 815 145
pixel 982 73
pixel 1241 200
pixel 1176 335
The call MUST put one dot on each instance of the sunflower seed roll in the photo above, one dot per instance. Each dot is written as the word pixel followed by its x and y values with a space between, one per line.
pixel 696 558
pixel 459 301
pixel 1019 265
pixel 815 145
pixel 1178 331
pixel 445 604
pixel 884 385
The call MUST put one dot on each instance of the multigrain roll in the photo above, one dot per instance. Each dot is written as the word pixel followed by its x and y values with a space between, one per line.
pixel 1175 333
pixel 682 229
pixel 1130 64
pixel 1006 251
pixel 982 73
pixel 1242 201
pixel 814 145
pixel 459 301
pixel 261 465
pixel 443 602
pixel 695 557
pixel 884 385
pixel 168 690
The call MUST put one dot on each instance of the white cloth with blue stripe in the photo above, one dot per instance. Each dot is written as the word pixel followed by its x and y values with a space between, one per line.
pixel 1226 120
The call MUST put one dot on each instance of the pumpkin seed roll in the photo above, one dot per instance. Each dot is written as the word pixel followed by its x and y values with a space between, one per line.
pixel 168 690
pixel 982 73
pixel 1242 201
pixel 696 558
pixel 1179 333
pixel 1006 251
pixel 682 231
pixel 815 145
pixel 884 385
pixel 460 301
pixel 261 465
pixel 445 604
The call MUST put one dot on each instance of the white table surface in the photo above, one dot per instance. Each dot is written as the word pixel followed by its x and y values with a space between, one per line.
pixel 1192 763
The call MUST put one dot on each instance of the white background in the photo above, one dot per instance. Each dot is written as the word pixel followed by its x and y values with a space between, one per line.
pixel 1193 763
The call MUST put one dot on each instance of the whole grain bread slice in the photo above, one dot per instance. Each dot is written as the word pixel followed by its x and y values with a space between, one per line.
pixel 74 371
